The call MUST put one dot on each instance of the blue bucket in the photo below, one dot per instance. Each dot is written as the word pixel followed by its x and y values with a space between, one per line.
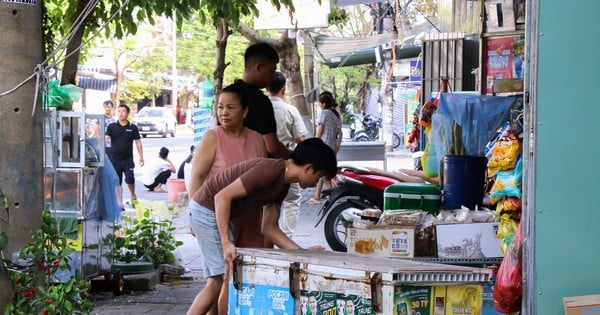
pixel 464 179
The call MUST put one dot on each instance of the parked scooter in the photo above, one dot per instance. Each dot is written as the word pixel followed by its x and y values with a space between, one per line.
pixel 357 188
pixel 370 131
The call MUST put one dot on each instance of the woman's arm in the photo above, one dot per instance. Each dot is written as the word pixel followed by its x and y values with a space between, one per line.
pixel 203 160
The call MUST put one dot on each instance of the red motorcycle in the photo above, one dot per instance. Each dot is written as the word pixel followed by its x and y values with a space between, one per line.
pixel 357 188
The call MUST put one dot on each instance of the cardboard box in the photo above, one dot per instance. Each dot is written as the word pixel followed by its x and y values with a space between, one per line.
pixel 585 304
pixel 468 241
pixel 384 241
pixel 457 299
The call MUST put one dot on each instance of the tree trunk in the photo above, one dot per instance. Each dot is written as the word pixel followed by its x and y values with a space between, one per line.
pixel 21 165
pixel 290 67
pixel 69 71
pixel 223 33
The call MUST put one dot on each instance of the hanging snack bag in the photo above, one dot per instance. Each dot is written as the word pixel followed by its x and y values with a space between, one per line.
pixel 503 155
pixel 507 184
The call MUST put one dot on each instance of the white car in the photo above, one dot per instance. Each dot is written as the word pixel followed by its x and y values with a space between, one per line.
pixel 156 120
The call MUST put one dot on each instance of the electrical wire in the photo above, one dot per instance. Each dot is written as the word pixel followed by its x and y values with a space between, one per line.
pixel 40 72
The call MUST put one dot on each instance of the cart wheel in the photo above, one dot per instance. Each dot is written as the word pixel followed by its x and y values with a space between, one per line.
pixel 117 283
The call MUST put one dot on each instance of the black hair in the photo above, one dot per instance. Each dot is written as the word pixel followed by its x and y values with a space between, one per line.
pixel 108 102
pixel 163 153
pixel 315 152
pixel 126 108
pixel 192 148
pixel 238 88
pixel 260 53
pixel 277 84
pixel 327 98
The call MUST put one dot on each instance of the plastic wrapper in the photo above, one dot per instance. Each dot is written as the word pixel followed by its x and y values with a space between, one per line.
pixel 507 226
pixel 507 184
pixel 401 217
pixel 465 215
pixel 503 156
pixel 508 288
pixel 62 97
pixel 477 116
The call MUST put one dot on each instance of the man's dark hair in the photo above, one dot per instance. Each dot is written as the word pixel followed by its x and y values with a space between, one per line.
pixel 108 102
pixel 315 152
pixel 260 53
pixel 192 148
pixel 238 88
pixel 277 84
pixel 126 108
pixel 163 153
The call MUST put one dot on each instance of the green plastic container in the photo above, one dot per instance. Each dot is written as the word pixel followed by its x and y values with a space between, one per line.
pixel 412 196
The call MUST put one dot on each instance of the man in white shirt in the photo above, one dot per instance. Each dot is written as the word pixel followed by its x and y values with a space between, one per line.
pixel 158 171
pixel 290 131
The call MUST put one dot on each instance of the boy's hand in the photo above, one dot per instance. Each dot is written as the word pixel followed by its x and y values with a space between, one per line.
pixel 229 254
pixel 317 247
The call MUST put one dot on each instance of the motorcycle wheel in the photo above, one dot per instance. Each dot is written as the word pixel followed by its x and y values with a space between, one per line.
pixel 395 140
pixel 335 226
pixel 361 136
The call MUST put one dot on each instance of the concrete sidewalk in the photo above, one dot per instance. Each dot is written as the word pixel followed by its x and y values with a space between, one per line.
pixel 175 298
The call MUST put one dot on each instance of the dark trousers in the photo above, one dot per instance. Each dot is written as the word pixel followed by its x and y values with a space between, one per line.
pixel 160 178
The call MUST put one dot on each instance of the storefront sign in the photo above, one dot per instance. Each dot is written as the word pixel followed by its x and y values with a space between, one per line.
pixel 415 71
pixel 499 63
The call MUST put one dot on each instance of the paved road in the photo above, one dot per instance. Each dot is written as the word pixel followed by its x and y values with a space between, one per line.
pixel 176 298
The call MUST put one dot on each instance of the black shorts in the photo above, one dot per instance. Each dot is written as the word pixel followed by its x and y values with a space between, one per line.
pixel 128 171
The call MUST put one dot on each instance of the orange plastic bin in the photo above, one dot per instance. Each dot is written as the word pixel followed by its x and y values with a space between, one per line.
pixel 175 186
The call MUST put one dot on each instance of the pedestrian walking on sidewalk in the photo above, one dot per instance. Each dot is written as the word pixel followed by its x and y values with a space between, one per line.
pixel 121 135
pixel 329 129
pixel 247 186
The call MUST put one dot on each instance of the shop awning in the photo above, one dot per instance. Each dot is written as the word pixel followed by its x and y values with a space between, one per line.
pixel 109 85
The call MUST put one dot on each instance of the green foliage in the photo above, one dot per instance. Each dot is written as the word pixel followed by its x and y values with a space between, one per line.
pixel 345 82
pixel 146 239
pixel 35 291
pixel 4 208
pixel 337 16
pixel 196 51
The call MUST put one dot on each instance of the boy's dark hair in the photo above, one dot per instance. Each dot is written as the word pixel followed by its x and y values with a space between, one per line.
pixel 238 88
pixel 315 152
pixel 126 108
pixel 260 53
pixel 277 84
pixel 163 153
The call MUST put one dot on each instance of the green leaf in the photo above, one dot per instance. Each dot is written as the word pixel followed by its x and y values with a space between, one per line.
pixel 3 240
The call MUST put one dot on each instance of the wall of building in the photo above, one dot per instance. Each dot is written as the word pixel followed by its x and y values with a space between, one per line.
pixel 565 213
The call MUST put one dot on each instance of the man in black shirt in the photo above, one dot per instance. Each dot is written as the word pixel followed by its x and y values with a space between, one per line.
pixel 121 135
pixel 260 64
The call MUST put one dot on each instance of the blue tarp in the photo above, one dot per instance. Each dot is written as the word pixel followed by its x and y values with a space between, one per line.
pixel 479 116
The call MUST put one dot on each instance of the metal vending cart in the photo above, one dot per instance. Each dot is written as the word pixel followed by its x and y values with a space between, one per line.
pixel 73 191
pixel 267 281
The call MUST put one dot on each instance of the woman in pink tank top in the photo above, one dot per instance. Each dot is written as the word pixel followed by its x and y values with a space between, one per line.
pixel 227 144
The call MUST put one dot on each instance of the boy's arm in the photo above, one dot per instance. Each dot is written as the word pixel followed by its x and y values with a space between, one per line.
pixel 271 230
pixel 223 201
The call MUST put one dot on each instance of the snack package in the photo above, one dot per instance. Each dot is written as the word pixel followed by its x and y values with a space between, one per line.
pixel 504 153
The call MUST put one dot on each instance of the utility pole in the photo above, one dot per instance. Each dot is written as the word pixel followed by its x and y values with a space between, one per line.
pixel 174 96
pixel 21 164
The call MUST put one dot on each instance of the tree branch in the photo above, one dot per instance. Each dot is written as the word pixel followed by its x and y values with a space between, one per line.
pixel 254 37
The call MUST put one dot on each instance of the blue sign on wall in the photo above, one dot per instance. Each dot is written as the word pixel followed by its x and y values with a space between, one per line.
pixel 260 299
